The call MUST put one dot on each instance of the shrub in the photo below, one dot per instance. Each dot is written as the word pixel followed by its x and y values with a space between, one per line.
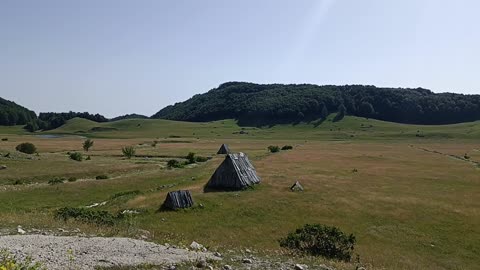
pixel 76 156
pixel 191 158
pixel 126 193
pixel 87 144
pixel 88 216
pixel 4 139
pixel 273 148
pixel 72 179
pixel 287 147
pixel 321 240
pixel 128 151
pixel 88 158
pixel 56 180
pixel 27 148
pixel 201 159
pixel 173 163
pixel 466 156
pixel 101 177
pixel 9 262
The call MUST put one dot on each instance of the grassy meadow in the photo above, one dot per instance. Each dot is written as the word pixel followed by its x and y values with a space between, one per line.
pixel 407 192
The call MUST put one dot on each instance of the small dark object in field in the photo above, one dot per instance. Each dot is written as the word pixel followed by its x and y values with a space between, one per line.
pixel 7 155
pixel 56 180
pixel 178 199
pixel 355 170
pixel 273 148
pixel 287 147
pixel 296 187
pixel 466 156
pixel 27 148
pixel 76 156
pixel 88 158
pixel 4 139
pixel 321 240
pixel 191 158
pixel 101 177
pixel 72 179
pixel 3 167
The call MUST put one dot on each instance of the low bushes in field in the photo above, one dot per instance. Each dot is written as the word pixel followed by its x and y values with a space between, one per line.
pixel 9 262
pixel 4 139
pixel 72 179
pixel 77 156
pixel 173 163
pixel 130 193
pixel 287 147
pixel 86 215
pixel 27 148
pixel 193 158
pixel 128 151
pixel 321 240
pixel 56 181
pixel 273 148
pixel 101 177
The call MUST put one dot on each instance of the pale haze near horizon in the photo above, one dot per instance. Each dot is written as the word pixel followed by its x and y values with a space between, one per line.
pixel 117 57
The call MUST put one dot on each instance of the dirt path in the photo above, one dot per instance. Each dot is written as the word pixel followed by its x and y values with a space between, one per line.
pixel 71 252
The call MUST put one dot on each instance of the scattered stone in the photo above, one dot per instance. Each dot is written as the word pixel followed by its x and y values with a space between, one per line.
pixel 301 267
pixel 172 267
pixel 218 254
pixel 246 260
pixel 227 267
pixel 196 246
pixel 361 268
pixel 3 167
pixel 248 250
pixel 210 267
pixel 324 267
pixel 20 230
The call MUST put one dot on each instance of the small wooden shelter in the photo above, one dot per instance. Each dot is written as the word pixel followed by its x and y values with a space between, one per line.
pixel 178 199
pixel 223 150
pixel 296 187
pixel 235 173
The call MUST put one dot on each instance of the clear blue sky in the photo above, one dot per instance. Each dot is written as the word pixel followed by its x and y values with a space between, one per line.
pixel 116 56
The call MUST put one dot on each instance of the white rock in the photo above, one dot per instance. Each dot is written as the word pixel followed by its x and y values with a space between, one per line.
pixel 227 267
pixel 246 260
pixel 196 246
pixel 301 267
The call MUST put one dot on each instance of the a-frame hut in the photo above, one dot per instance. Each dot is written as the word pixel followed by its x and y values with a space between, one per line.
pixel 235 173
pixel 296 187
pixel 178 199
pixel 223 150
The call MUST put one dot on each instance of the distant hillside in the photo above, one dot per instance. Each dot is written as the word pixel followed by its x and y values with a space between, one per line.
pixel 260 104
pixel 13 114
pixel 129 116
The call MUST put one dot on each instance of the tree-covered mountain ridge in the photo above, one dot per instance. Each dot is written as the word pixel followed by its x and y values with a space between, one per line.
pixel 261 104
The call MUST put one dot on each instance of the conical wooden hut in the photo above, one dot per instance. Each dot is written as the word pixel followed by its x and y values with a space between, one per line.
pixel 223 150
pixel 235 173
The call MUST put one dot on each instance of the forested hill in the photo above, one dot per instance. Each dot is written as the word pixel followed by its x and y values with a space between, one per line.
pixel 14 114
pixel 259 104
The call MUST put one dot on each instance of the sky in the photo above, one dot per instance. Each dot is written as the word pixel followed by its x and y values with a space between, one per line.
pixel 116 56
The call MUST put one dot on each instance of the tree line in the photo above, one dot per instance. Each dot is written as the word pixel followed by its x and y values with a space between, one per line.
pixel 264 104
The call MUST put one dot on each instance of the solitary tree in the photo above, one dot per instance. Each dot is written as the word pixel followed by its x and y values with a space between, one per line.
pixel 324 112
pixel 87 144
pixel 341 113
pixel 128 151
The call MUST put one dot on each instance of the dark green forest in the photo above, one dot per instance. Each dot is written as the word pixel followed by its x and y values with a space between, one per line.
pixel 266 104
pixel 13 114
pixel 129 116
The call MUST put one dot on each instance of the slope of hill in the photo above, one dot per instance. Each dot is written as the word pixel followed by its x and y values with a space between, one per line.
pixel 262 104
pixel 129 116
pixel 13 114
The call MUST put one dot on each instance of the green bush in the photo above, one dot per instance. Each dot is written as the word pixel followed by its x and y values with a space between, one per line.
pixel 191 158
pixel 128 151
pixel 88 158
pixel 56 180
pixel 321 240
pixel 87 144
pixel 4 139
pixel 287 147
pixel 173 163
pixel 27 148
pixel 101 177
pixel 273 148
pixel 125 194
pixel 72 179
pixel 201 159
pixel 88 216
pixel 77 156
pixel 9 262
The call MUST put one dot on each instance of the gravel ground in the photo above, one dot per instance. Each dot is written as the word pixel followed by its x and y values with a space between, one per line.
pixel 72 252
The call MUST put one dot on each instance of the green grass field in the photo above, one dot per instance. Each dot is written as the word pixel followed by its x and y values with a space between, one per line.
pixel 412 200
